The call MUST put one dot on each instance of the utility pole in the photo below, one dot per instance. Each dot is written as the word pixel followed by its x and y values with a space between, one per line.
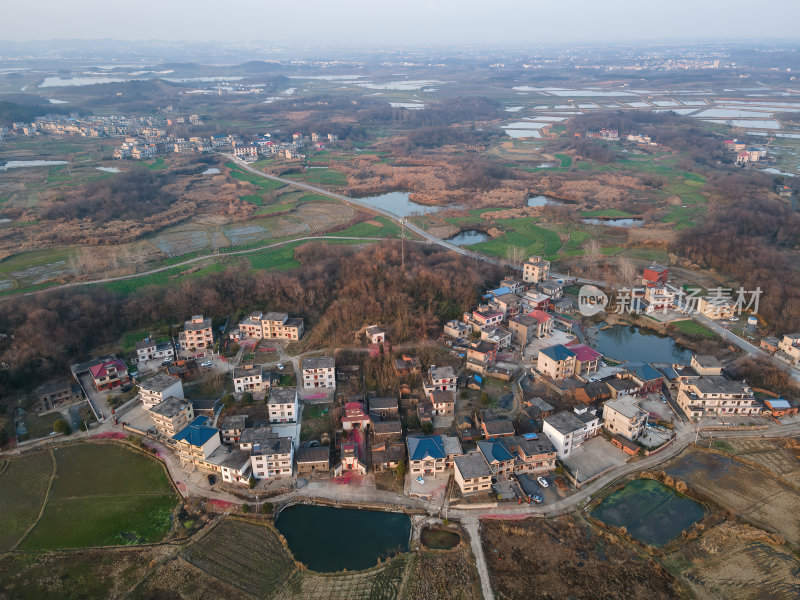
pixel 403 243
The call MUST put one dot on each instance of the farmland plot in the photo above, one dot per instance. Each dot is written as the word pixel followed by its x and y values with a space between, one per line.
pixel 18 511
pixel 379 583
pixel 245 555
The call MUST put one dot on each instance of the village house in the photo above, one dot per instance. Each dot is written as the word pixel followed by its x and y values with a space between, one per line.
pixel 535 300
pixel 481 356
pixel 440 378
pixel 648 380
pixel 620 387
pixel 515 286
pixel 409 365
pixel 790 347
pixel 248 378
pixel 196 442
pixel 556 362
pixel 655 274
pixel 313 460
pixel 658 297
pixel 716 395
pixel 172 415
pixel 771 344
pixel 426 455
pixel 282 405
pixel 553 288
pixel 151 350
pixel 499 336
pixel 533 453
pixel 443 403
pixel 568 430
pixel 624 417
pixel 508 304
pixel 232 427
pixel 535 270
pixel 271 325
pixel 196 333
pixel 387 455
pixel 253 435
pixel 272 457
pixel 383 408
pixel 497 456
pixel 716 307
pixel 158 388
pixel 457 329
pixel 587 360
pixel 484 317
pixel 319 372
pixel 56 394
pixel 494 428
pixel 354 416
pixel 234 465
pixel 375 335
pixel 383 431
pixel 108 373
pixel 472 474
pixel 706 364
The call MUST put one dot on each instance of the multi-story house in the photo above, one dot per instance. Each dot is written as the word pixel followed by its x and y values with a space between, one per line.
pixel 655 274
pixel 108 373
pixel 56 394
pixel 484 317
pixel 232 427
pixel 500 336
pixel 196 333
pixel 535 270
pixel 481 356
pixel 458 329
pixel 472 474
pixel 587 360
pixel 440 378
pixel 716 307
pixel 624 417
pixel 533 454
pixel 426 455
pixel 272 457
pixel 196 442
pixel 282 404
pixel 172 415
pixel 375 335
pixel 279 326
pixel 659 297
pixel 556 362
pixel 158 388
pixel 790 347
pixel 319 372
pixel 716 395
pixel 706 364
pixel 248 378
pixel 151 350
pixel 408 365
pixel 508 304
pixel 568 430
pixel 497 456
pixel 443 403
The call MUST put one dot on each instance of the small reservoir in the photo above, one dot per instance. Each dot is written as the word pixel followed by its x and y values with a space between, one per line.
pixel 632 344
pixel 328 539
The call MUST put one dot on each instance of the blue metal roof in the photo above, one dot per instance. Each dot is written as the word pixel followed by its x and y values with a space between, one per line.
pixel 779 403
pixel 494 451
pixel 558 352
pixel 427 446
pixel 642 371
pixel 196 433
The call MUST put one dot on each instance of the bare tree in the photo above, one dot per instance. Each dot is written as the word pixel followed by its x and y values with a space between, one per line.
pixel 627 271
pixel 515 255
pixel 592 255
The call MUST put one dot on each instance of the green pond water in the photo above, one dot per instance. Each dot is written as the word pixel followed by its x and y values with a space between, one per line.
pixel 330 539
pixel 651 512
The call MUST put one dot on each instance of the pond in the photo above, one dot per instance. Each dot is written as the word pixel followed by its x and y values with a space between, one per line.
pixel 399 204
pixel 471 236
pixel 630 343
pixel 543 200
pixel 439 539
pixel 330 539
pixel 614 222
pixel 651 512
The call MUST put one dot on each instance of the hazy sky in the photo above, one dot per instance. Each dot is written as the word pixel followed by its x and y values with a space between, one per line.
pixel 402 22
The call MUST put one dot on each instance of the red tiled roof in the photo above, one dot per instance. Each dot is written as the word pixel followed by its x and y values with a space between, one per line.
pixel 584 353
pixel 540 315
pixel 99 370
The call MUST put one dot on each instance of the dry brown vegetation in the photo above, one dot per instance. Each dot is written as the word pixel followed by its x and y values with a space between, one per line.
pixel 566 558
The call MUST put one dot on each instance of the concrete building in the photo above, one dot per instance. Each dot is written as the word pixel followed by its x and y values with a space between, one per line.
pixel 172 415
pixel 196 333
pixel 556 362
pixel 533 453
pixel 232 427
pixel 440 378
pixel 535 270
pixel 472 474
pixel 196 442
pixel 706 364
pixel 497 456
pixel 151 350
pixel 319 372
pixel 426 455
pixel 716 395
pixel 155 390
pixel 375 335
pixel 56 394
pixel 587 360
pixel 108 373
pixel 443 403
pixel 248 378
pixel 282 404
pixel 272 457
pixel 311 460
pixel 625 417
pixel 716 307
pixel 567 430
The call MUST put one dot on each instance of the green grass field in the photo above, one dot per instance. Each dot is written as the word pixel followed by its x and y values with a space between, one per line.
pixel 23 485
pixel 613 213
pixel 103 494
pixel 693 328
pixel 321 177
pixel 522 233
pixel 40 426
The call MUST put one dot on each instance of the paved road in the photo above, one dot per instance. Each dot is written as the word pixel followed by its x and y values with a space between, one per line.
pixel 374 209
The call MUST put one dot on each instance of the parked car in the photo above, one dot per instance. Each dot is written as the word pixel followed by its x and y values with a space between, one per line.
pixel 212 479
pixel 542 482
pixel 280 366
pixel 166 362
pixel 734 319
pixel 663 399
pixel 420 480
pixel 537 498
pixel 206 363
